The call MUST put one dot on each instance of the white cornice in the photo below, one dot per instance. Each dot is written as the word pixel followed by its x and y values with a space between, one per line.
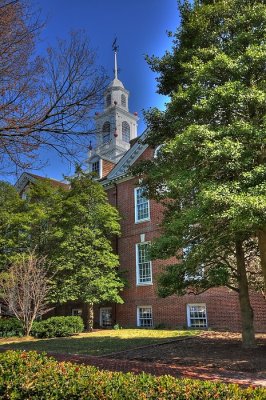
pixel 121 169
pixel 24 179
pixel 114 109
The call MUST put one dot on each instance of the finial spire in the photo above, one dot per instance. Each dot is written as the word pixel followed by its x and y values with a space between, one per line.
pixel 115 48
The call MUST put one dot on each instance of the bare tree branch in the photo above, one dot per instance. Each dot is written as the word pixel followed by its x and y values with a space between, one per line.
pixel 24 289
pixel 44 101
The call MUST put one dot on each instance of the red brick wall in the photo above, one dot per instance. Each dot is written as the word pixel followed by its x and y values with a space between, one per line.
pixel 222 304
pixel 107 167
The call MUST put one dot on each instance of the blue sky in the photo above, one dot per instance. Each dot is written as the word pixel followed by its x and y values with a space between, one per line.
pixel 140 27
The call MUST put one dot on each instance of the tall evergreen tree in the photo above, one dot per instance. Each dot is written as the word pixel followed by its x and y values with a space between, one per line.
pixel 211 166
pixel 84 259
pixel 73 228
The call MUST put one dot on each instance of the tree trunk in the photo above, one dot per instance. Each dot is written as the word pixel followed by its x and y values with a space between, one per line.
pixel 248 334
pixel 89 317
pixel 262 248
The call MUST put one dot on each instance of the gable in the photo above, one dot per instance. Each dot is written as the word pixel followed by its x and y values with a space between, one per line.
pixel 26 179
pixel 132 155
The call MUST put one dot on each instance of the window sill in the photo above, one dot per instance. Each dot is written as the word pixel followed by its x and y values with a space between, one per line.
pixel 142 220
pixel 144 284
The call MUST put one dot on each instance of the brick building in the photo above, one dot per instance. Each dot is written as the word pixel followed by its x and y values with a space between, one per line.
pixel 117 148
pixel 111 159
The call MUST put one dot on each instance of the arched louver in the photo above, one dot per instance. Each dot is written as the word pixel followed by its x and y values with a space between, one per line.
pixel 123 100
pixel 108 100
pixel 125 131
pixel 106 132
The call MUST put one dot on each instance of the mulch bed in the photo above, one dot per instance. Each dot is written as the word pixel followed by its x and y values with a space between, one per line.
pixel 209 356
pixel 209 350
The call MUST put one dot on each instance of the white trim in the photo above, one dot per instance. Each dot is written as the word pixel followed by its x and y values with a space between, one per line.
pixel 156 151
pixel 129 158
pixel 137 221
pixel 138 316
pixel 93 160
pixel 138 283
pixel 189 316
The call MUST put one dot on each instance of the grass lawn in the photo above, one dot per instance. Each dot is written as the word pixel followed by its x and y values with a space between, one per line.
pixel 96 343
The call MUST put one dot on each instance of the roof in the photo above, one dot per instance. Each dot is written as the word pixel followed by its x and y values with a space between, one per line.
pixel 27 177
pixel 121 169
pixel 116 83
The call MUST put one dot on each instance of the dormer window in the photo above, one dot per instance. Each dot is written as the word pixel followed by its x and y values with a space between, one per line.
pixel 123 100
pixel 95 167
pixel 108 100
pixel 106 132
pixel 125 132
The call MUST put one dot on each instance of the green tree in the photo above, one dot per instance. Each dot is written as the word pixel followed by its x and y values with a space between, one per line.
pixel 86 267
pixel 211 166
pixel 13 224
pixel 73 228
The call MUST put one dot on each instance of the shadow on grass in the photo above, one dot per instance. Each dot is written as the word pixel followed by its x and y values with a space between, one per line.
pixel 87 345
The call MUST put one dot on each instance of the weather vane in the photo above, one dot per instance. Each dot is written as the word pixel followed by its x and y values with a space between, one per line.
pixel 115 46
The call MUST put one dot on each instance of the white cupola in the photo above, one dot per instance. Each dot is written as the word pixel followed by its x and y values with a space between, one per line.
pixel 115 126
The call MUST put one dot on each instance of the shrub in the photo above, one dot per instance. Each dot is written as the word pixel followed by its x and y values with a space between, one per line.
pixel 10 327
pixel 35 376
pixel 57 327
pixel 117 327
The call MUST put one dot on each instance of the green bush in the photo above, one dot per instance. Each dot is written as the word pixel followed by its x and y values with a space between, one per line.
pixel 117 327
pixel 35 376
pixel 57 327
pixel 10 327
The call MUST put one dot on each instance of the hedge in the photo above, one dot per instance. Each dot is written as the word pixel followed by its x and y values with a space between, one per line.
pixel 10 327
pixel 57 327
pixel 35 376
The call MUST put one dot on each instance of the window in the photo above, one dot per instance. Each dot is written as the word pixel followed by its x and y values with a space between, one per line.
pixel 125 132
pixel 143 264
pixel 106 132
pixel 196 274
pixel 95 167
pixel 123 100
pixel 144 316
pixel 108 100
pixel 196 315
pixel 106 317
pixel 76 312
pixel 157 151
pixel 142 206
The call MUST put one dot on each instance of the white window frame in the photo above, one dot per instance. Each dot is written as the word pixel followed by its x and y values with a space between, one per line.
pixel 156 151
pixel 139 319
pixel 78 310
pixel 100 167
pixel 138 282
pixel 101 316
pixel 189 324
pixel 137 219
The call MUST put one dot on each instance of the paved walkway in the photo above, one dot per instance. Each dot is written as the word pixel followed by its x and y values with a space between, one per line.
pixel 241 378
